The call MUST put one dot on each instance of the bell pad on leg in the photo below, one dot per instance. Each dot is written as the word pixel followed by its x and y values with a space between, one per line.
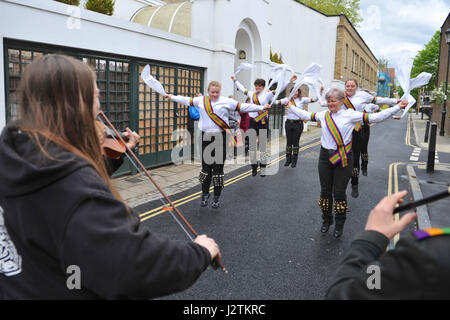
pixel 325 205
pixel 202 177
pixel 218 181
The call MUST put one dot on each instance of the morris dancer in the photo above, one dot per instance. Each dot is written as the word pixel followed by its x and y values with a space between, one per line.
pixel 214 123
pixel 335 155
pixel 259 120
pixel 356 100
pixel 294 126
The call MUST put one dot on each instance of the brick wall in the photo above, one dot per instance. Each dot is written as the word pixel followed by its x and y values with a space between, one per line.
pixel 437 116
pixel 443 55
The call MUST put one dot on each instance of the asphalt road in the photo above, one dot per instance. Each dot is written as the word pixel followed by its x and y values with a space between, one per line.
pixel 268 228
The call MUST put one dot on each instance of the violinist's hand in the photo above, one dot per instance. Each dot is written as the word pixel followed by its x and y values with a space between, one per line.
pixel 381 217
pixel 102 137
pixel 321 90
pixel 293 78
pixel 267 107
pixel 168 96
pixel 210 245
pixel 397 117
pixel 133 138
pixel 233 78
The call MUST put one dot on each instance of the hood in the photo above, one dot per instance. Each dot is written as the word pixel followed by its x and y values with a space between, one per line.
pixel 24 168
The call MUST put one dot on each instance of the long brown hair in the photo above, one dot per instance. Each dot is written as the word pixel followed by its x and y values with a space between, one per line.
pixel 56 102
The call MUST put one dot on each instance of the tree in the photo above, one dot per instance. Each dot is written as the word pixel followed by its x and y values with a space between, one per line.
pixel 101 6
pixel 427 60
pixel 348 7
pixel 71 2
pixel 274 57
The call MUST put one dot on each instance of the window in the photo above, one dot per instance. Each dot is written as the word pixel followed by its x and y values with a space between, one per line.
pixel 124 97
pixel 346 56
pixel 159 117
pixel 17 62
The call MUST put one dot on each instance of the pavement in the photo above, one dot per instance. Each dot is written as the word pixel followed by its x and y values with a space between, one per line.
pixel 175 178
pixel 423 183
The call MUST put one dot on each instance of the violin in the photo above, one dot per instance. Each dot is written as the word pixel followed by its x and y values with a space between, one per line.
pixel 112 145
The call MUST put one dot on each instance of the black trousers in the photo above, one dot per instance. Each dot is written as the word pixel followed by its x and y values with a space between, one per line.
pixel 213 160
pixel 360 142
pixel 365 143
pixel 260 129
pixel 294 131
pixel 333 178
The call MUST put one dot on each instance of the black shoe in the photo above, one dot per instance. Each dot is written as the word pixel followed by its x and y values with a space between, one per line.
pixel 325 226
pixel 355 192
pixel 338 231
pixel 364 171
pixel 254 169
pixel 288 162
pixel 216 203
pixel 294 163
pixel 204 201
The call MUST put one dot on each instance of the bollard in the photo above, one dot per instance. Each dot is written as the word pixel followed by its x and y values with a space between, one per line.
pixel 432 148
pixel 427 131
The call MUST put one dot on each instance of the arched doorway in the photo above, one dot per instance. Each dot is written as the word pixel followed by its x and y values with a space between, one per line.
pixel 248 49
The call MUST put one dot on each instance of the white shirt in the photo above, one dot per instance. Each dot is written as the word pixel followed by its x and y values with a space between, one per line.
pixel 222 108
pixel 345 120
pixel 371 108
pixel 265 97
pixel 299 103
pixel 361 98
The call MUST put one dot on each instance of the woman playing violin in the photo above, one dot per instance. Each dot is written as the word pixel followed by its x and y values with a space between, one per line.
pixel 60 210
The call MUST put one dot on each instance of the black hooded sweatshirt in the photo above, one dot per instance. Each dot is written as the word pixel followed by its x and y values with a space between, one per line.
pixel 62 224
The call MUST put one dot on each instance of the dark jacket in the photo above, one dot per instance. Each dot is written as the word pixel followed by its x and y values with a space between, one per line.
pixel 60 213
pixel 415 269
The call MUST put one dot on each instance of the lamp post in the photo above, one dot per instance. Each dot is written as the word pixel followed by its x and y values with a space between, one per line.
pixel 444 110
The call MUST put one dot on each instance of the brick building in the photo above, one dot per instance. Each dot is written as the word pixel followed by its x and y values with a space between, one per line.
pixel 443 54
pixel 441 77
pixel 354 59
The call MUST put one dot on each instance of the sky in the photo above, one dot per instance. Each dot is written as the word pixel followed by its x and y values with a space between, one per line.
pixel 393 26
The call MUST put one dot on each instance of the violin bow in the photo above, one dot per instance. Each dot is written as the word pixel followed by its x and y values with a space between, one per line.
pixel 216 262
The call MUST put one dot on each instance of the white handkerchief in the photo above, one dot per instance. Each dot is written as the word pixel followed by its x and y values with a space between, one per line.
pixel 243 66
pixel 152 82
pixel 276 73
pixel 309 77
pixel 421 80
pixel 411 102
pixel 281 80
pixel 403 74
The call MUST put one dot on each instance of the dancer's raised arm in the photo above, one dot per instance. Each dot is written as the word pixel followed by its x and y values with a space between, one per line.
pixel 367 118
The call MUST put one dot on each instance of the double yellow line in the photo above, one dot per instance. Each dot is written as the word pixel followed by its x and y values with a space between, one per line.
pixel 393 188
pixel 393 173
pixel 408 134
pixel 157 211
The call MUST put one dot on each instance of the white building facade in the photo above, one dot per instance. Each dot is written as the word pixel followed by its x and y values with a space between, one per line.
pixel 187 44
